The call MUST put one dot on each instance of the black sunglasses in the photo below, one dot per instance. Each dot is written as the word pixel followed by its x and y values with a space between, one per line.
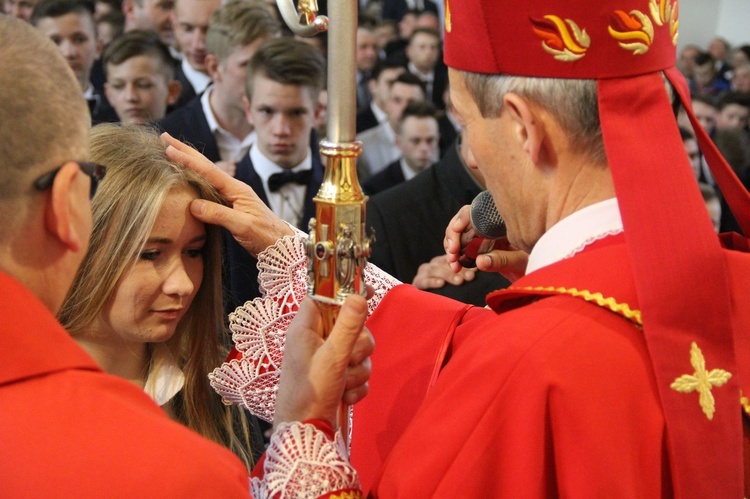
pixel 93 170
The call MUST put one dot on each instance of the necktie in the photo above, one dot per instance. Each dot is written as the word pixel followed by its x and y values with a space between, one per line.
pixel 278 180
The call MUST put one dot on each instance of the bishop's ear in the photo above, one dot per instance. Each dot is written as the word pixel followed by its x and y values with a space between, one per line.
pixel 527 125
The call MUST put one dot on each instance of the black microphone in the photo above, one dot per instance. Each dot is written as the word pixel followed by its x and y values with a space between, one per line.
pixel 485 228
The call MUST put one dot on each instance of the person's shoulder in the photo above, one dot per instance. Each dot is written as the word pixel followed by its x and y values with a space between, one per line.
pixel 419 193
pixel 182 118
pixel 110 436
pixel 372 134
pixel 385 179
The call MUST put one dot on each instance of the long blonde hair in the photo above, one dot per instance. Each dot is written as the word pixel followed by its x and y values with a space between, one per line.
pixel 139 178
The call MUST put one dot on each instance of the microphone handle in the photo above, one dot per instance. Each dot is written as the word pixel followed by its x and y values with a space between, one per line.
pixel 475 246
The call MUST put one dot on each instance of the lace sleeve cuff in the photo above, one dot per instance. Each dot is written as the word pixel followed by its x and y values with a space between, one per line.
pixel 306 460
pixel 259 327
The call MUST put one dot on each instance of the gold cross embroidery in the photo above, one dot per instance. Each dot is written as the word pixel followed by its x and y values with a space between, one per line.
pixel 701 380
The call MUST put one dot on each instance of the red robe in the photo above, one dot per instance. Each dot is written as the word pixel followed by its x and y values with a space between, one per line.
pixel 553 396
pixel 69 430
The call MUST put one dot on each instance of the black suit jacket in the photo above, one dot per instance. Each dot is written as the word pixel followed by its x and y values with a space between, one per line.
pixel 187 93
pixel 189 124
pixel 410 221
pixel 101 110
pixel 439 84
pixel 366 119
pixel 241 269
pixel 390 176
pixel 448 134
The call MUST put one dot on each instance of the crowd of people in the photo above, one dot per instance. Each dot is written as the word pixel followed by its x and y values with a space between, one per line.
pixel 719 80
pixel 136 238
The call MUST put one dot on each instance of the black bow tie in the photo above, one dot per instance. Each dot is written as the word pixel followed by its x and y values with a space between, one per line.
pixel 278 180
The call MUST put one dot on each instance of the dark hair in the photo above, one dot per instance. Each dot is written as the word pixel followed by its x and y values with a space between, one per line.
pixel 366 21
pixel 116 5
pixel 289 62
pixel 746 50
pixel 707 191
pixel 704 99
pixel 135 43
pixel 426 31
pixel 735 147
pixel 419 109
pixel 739 98
pixel 704 58
pixel 59 8
pixel 381 66
pixel 686 134
pixel 116 18
pixel 408 78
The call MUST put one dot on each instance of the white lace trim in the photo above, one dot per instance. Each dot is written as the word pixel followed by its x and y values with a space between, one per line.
pixel 574 232
pixel 259 326
pixel 301 462
pixel 592 240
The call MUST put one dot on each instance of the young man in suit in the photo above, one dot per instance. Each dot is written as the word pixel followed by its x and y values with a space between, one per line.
pixel 383 76
pixel 366 56
pixel 423 55
pixel 284 79
pixel 379 147
pixel 70 25
pixel 152 15
pixel 140 77
pixel 215 122
pixel 190 22
pixel 417 139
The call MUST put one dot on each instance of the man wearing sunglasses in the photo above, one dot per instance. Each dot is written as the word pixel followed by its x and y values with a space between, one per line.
pixel 68 428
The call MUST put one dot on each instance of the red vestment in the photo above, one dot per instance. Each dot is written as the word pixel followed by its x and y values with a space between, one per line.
pixel 555 395
pixel 69 430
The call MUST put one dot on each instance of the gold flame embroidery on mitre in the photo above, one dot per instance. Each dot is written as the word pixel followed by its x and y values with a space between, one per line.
pixel 561 38
pixel 633 31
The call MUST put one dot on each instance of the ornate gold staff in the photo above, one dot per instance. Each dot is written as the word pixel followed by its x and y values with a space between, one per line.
pixel 338 247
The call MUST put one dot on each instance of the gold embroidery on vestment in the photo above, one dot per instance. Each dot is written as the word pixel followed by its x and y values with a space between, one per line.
pixel 350 494
pixel 745 402
pixel 701 381
pixel 597 298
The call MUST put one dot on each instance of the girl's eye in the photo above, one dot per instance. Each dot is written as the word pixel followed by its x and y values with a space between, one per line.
pixel 149 255
pixel 195 252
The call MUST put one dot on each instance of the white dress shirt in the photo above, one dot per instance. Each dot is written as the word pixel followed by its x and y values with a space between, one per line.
pixel 198 80
pixel 230 147
pixel 289 201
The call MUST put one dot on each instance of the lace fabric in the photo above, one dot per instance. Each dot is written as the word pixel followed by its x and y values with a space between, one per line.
pixel 302 462
pixel 259 326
